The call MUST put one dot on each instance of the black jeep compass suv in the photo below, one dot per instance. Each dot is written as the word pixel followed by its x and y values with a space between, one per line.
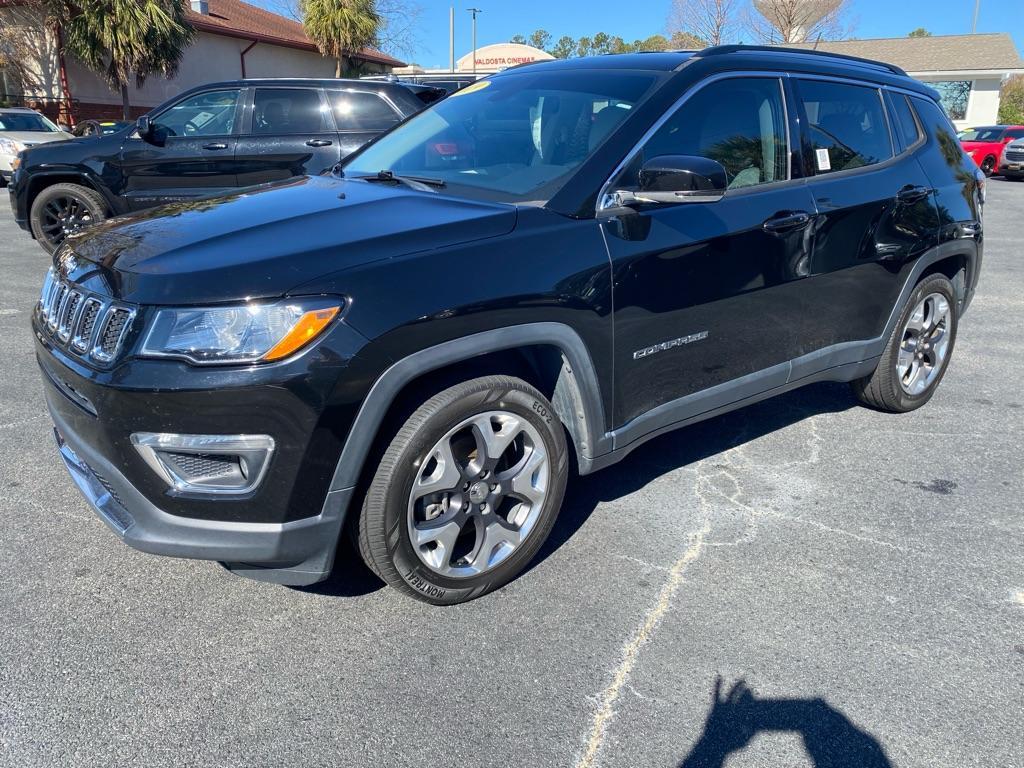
pixel 545 269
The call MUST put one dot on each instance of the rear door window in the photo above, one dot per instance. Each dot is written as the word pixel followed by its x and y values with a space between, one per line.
pixel 362 111
pixel 904 120
pixel 846 125
pixel 282 111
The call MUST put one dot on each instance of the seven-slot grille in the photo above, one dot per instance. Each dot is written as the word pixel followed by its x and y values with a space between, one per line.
pixel 91 326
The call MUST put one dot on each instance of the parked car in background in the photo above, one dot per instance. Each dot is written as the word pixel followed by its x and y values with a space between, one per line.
pixel 209 140
pixel 449 81
pixel 20 128
pixel 421 344
pixel 1012 164
pixel 99 127
pixel 985 145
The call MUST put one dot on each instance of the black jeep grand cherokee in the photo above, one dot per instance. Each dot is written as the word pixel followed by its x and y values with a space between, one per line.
pixel 549 267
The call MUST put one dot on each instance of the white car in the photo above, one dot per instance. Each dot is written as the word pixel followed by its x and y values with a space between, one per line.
pixel 21 127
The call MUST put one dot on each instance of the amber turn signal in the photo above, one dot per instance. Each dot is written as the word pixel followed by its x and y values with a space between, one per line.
pixel 310 326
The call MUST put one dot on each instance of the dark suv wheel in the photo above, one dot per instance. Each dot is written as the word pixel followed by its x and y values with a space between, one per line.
pixel 466 492
pixel 918 352
pixel 62 210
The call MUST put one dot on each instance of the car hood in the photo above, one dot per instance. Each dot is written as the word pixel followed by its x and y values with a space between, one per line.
pixel 264 241
pixel 31 138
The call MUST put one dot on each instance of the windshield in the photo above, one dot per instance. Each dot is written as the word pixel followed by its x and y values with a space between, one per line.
pixel 982 134
pixel 26 121
pixel 515 138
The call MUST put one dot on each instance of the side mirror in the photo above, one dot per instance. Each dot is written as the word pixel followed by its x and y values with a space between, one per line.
pixel 677 179
pixel 144 127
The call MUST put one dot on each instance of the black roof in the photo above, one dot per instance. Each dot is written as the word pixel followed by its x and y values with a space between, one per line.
pixel 737 56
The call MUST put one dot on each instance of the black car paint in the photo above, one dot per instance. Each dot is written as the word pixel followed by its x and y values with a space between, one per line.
pixel 423 271
pixel 133 174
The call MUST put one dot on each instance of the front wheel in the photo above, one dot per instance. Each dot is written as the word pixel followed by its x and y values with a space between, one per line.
pixel 988 165
pixel 62 210
pixel 918 352
pixel 467 491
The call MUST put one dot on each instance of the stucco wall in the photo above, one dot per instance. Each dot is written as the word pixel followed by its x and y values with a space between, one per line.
pixel 210 58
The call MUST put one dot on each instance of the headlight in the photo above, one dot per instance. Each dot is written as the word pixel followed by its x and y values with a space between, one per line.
pixel 10 146
pixel 244 333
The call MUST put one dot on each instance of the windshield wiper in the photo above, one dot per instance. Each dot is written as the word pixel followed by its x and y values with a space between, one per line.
pixel 419 183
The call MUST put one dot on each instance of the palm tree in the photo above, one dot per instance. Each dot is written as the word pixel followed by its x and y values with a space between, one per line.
pixel 340 27
pixel 125 39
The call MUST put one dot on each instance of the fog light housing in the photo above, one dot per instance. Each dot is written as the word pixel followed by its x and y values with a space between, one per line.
pixel 206 464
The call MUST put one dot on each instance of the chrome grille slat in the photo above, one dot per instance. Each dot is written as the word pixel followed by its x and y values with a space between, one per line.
pixel 89 326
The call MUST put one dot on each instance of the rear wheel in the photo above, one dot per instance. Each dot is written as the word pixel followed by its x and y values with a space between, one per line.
pixel 63 210
pixel 918 352
pixel 466 492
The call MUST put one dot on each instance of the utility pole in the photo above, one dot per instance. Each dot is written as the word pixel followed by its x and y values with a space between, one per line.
pixel 474 11
pixel 974 26
pixel 451 38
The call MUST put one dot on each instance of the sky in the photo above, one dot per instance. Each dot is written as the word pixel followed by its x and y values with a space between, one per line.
pixel 642 18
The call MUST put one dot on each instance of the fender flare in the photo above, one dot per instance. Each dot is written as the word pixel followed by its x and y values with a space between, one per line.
pixel 577 398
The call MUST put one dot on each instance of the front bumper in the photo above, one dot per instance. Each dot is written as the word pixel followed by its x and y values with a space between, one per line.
pixel 297 552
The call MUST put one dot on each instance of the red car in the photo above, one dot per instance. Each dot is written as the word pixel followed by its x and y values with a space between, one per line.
pixel 985 145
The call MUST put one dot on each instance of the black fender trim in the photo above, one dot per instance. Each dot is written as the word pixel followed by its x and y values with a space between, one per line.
pixel 82 176
pixel 577 397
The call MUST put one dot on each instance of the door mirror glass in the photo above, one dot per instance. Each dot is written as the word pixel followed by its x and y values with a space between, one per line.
pixel 677 179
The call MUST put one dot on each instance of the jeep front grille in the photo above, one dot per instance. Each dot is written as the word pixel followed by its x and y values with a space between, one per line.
pixel 91 326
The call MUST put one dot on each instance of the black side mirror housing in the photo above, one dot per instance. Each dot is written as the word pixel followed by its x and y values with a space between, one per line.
pixel 677 179
pixel 144 127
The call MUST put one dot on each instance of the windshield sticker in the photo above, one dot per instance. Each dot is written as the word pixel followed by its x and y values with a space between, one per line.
pixel 823 162
pixel 479 85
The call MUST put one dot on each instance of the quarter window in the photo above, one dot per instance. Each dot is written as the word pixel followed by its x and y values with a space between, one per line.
pixel 362 111
pixel 739 122
pixel 205 114
pixel 288 110
pixel 903 117
pixel 847 125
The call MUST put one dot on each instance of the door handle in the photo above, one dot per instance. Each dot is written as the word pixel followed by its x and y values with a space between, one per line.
pixel 215 145
pixel 912 194
pixel 319 143
pixel 787 222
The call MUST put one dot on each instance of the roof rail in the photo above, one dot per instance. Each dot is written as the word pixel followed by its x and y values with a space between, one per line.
pixel 718 50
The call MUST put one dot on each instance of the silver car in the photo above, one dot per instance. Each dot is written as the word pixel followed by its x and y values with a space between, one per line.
pixel 21 127
pixel 1012 164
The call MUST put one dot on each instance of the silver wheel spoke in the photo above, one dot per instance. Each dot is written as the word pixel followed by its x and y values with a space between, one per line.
pixel 495 536
pixel 493 436
pixel 528 483
pixel 445 476
pixel 443 538
pixel 922 353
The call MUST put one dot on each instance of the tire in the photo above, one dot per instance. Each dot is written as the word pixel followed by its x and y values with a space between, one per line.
pixel 988 165
pixel 893 387
pixel 453 567
pixel 63 209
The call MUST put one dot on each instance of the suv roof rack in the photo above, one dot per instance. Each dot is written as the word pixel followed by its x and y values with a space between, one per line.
pixel 718 50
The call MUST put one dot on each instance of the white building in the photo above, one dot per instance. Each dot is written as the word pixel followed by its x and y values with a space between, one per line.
pixel 488 60
pixel 233 40
pixel 968 70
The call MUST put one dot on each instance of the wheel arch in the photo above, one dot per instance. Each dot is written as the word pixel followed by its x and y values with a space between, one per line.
pixel 550 356
pixel 38 182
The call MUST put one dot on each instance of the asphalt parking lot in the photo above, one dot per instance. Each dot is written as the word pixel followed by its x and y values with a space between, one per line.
pixel 853 580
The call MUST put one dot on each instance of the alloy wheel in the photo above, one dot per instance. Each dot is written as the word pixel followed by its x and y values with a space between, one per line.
pixel 63 216
pixel 925 344
pixel 478 494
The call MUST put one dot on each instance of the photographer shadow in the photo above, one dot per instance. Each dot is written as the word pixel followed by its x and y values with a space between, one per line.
pixel 829 737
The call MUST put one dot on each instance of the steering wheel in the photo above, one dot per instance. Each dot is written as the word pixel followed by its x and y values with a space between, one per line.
pixel 190 128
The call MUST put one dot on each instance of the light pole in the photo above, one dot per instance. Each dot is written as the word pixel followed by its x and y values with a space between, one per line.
pixel 974 26
pixel 474 11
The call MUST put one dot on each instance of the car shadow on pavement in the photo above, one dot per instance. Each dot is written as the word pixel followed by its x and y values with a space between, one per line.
pixel 687 446
pixel 830 739
pixel 350 578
